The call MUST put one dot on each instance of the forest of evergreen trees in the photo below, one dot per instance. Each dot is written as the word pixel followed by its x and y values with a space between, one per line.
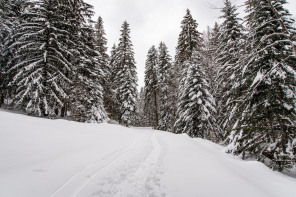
pixel 234 84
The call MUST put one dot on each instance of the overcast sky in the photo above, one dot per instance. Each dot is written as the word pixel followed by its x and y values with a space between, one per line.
pixel 153 21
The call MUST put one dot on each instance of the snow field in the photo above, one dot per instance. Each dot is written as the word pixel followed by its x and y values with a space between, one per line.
pixel 60 158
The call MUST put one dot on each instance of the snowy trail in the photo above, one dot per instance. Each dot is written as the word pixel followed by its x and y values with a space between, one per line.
pixel 58 158
pixel 82 178
pixel 135 174
pixel 140 182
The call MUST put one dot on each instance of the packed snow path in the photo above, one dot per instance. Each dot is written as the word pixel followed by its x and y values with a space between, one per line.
pixel 58 158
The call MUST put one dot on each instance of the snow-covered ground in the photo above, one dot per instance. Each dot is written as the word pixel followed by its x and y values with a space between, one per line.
pixel 59 158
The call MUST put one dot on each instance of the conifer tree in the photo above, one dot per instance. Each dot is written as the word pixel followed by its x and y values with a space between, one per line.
pixel 10 18
pixel 189 40
pixel 87 92
pixel 207 56
pixel 75 15
pixel 231 42
pixel 210 54
pixel 142 116
pixel 4 33
pixel 196 106
pixel 113 105
pixel 266 117
pixel 126 77
pixel 101 47
pixel 151 87
pixel 214 45
pixel 40 61
pixel 165 88
pixel 214 39
pixel 101 41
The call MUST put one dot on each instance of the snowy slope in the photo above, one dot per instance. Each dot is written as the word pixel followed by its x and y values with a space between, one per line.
pixel 58 158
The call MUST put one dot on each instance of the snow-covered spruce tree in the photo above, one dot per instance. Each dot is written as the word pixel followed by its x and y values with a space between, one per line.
pixel 209 55
pixel 40 61
pixel 214 45
pixel 101 42
pixel 231 39
pixel 142 116
pixel 72 15
pixel 10 17
pixel 101 47
pixel 265 127
pixel 2 36
pixel 87 92
pixel 164 86
pixel 189 40
pixel 114 108
pixel 126 77
pixel 214 40
pixel 196 106
pixel 151 87
pixel 4 32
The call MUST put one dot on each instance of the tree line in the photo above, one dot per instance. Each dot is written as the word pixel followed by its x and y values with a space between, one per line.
pixel 234 84
pixel 54 63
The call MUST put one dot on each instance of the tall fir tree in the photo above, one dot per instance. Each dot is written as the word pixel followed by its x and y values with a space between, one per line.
pixel 101 41
pixel 54 59
pixel 126 77
pixel 113 105
pixel 151 87
pixel 142 116
pixel 165 88
pixel 214 45
pixel 207 57
pixel 214 40
pixel 10 18
pixel 210 54
pixel 189 41
pixel 76 14
pixel 231 42
pixel 40 61
pixel 196 106
pixel 266 117
pixel 101 47
pixel 87 93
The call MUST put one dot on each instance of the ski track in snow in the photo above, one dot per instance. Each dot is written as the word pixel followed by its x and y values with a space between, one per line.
pixel 139 176
pixel 83 177
pixel 145 180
